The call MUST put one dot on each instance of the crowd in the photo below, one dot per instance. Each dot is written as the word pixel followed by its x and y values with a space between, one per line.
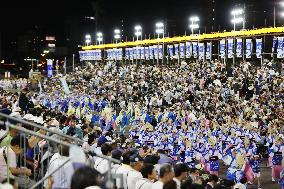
pixel 171 126
pixel 13 84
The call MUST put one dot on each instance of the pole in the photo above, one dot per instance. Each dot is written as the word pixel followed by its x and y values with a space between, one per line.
pixel 57 67
pixel 274 15
pixel 163 48
pixel 234 22
pixel 73 63
pixel 65 66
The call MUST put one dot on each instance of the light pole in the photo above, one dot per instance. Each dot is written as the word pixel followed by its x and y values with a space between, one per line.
pixel 117 35
pixel 160 29
pixel 100 37
pixel 138 31
pixel 87 39
pixel 194 23
pixel 238 17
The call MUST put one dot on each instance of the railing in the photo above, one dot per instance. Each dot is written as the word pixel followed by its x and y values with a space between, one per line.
pixel 38 175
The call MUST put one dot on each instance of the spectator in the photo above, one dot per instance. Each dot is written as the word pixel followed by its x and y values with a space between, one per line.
pixel 166 175
pixel 181 173
pixel 85 177
pixel 149 176
pixel 101 165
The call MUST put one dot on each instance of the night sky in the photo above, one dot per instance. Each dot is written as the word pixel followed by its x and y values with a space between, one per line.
pixel 17 17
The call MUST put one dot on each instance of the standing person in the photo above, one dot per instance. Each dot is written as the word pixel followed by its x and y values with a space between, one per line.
pixel 134 175
pixel 23 100
pixel 277 156
pixel 101 165
pixel 166 175
pixel 181 173
pixel 149 176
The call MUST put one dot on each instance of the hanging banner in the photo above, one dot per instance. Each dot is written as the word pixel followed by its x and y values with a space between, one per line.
pixel 195 49
pixel 182 50
pixel 160 47
pixel 170 51
pixel 138 55
pixel 130 50
pixel 134 53
pixel 176 51
pixel 142 50
pixel 274 44
pixel 127 53
pixel 258 48
pixel 239 48
pixel 151 51
pixel 188 49
pixel 49 66
pixel 223 48
pixel 155 47
pixel 201 51
pixel 230 48
pixel 248 48
pixel 209 51
pixel 147 53
pixel 119 54
pixel 280 52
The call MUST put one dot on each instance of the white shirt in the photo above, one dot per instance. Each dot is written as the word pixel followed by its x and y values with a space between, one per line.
pixel 101 165
pixel 132 178
pixel 123 169
pixel 157 185
pixel 11 158
pixel 143 184
pixel 62 177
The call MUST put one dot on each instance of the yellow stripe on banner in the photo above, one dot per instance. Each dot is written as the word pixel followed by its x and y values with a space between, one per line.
pixel 245 33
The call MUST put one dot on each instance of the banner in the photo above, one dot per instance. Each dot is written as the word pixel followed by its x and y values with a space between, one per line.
pixel 160 49
pixel 258 48
pixel 151 50
pixel 176 51
pixel 171 51
pixel 223 48
pixel 182 50
pixel 239 48
pixel 280 52
pixel 248 48
pixel 155 47
pixel 188 49
pixel 230 48
pixel 209 51
pixel 274 44
pixel 195 49
pixel 201 51
pixel 130 53
pixel 134 53
pixel 147 53
pixel 119 54
pixel 142 50
pixel 126 54
pixel 138 55
pixel 49 66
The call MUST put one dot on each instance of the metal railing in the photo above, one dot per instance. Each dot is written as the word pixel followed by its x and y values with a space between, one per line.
pixel 40 178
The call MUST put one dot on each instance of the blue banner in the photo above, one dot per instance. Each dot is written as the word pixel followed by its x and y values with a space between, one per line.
pixel 274 44
pixel 160 47
pixel 230 48
pixel 170 51
pixel 239 48
pixel 49 66
pixel 195 49
pixel 258 48
pixel 130 53
pixel 142 53
pixel 280 53
pixel 176 51
pixel 248 48
pixel 182 50
pixel 188 50
pixel 119 54
pixel 155 47
pixel 222 48
pixel 126 54
pixel 209 51
pixel 147 53
pixel 134 53
pixel 138 56
pixel 201 51
pixel 151 52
